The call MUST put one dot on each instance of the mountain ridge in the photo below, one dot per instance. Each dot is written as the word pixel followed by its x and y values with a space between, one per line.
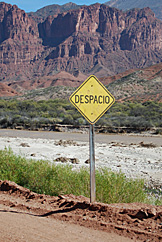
pixel 156 6
pixel 54 9
pixel 94 39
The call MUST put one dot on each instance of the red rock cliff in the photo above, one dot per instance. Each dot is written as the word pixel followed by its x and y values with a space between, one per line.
pixel 95 39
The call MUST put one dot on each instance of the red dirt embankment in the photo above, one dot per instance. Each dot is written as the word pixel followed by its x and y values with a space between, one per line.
pixel 137 222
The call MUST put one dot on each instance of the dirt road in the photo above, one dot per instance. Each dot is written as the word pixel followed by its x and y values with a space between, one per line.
pixel 99 138
pixel 26 216
pixel 17 225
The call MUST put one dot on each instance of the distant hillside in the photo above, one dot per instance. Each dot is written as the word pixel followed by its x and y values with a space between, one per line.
pixel 135 85
pixel 155 5
pixel 41 14
pixel 140 85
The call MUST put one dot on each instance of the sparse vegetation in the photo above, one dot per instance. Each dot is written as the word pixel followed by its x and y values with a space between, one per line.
pixel 30 114
pixel 48 178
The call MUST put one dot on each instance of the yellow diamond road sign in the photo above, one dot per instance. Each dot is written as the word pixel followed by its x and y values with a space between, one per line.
pixel 92 99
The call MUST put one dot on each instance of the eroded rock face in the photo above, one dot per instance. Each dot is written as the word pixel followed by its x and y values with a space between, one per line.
pixel 19 40
pixel 15 24
pixel 142 33
pixel 93 39
pixel 103 36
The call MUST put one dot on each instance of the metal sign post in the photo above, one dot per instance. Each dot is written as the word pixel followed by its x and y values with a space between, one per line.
pixel 92 100
pixel 92 164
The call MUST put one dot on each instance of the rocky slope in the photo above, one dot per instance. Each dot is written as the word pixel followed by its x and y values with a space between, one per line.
pixel 7 91
pixel 134 84
pixel 93 39
pixel 156 6
pixel 137 85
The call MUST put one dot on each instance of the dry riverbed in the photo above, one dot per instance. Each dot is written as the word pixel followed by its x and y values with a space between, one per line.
pixel 136 156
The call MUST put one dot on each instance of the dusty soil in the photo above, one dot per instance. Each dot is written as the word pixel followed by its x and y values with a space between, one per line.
pixel 26 227
pixel 99 138
pixel 27 216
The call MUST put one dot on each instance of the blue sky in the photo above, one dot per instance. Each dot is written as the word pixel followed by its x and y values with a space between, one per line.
pixel 33 5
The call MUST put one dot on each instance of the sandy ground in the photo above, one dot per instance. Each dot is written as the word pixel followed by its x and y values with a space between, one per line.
pixel 136 156
pixel 26 216
pixel 17 225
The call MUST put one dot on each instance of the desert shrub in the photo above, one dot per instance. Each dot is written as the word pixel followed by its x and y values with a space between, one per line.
pixel 113 187
pixel 128 114
pixel 80 121
pixel 158 131
pixel 3 122
pixel 68 119
pixel 48 178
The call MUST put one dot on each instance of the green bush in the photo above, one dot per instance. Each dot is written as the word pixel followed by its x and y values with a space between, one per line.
pixel 139 116
pixel 116 188
pixel 48 178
